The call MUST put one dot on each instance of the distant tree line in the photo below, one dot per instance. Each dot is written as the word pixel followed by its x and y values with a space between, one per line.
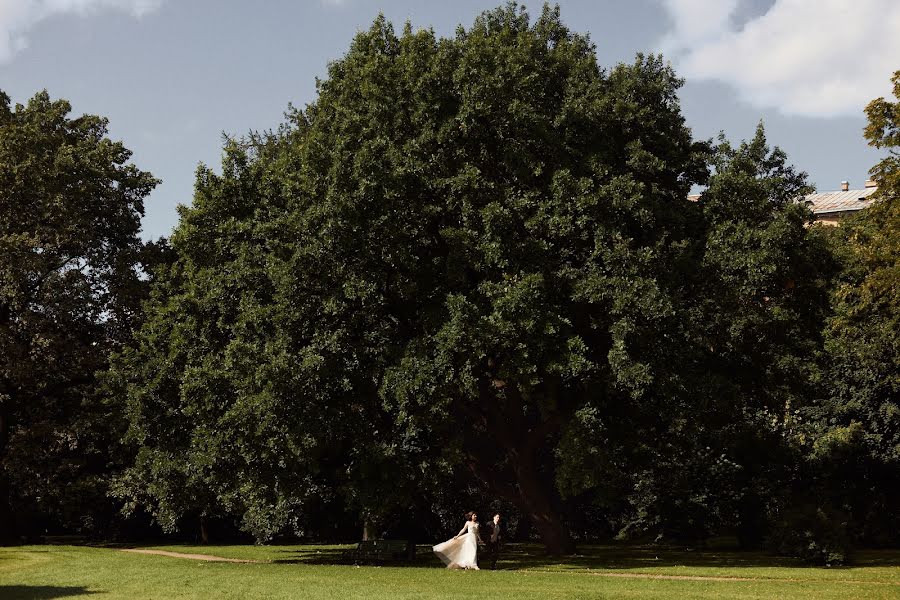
pixel 467 275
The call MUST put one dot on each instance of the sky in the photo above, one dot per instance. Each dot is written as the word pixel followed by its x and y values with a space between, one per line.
pixel 173 76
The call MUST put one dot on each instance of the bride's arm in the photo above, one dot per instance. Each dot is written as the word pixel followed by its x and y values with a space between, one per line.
pixel 462 531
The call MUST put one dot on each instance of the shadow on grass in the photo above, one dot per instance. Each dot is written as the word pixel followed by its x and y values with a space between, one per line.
pixel 327 556
pixel 606 557
pixel 636 557
pixel 41 592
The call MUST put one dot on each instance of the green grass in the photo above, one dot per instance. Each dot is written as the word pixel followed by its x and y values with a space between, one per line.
pixel 312 572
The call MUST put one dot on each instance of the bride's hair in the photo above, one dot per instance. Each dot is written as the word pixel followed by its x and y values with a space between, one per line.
pixel 469 515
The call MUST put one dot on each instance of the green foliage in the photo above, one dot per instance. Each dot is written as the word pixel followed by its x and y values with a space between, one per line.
pixel 461 243
pixel 817 535
pixel 883 131
pixel 473 259
pixel 862 334
pixel 70 208
pixel 469 272
pixel 858 451
pixel 766 277
pixel 714 451
pixel 764 297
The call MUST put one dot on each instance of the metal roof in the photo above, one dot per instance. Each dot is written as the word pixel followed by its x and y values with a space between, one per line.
pixel 835 202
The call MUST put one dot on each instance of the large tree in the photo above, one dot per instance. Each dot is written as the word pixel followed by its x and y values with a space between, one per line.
pixel 706 452
pixel 757 317
pixel 552 224
pixel 70 208
pixel 863 333
pixel 862 412
pixel 462 244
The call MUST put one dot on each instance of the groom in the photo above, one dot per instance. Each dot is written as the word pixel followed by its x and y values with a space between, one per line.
pixel 493 541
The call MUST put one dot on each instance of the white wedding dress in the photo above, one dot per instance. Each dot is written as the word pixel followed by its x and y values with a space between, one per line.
pixel 460 552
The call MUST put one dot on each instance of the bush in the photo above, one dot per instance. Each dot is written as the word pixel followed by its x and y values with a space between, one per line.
pixel 818 535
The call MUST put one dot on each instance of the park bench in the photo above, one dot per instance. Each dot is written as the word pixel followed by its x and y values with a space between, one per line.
pixel 381 551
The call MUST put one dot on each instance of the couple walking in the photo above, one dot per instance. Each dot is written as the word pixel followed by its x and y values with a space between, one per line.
pixel 461 551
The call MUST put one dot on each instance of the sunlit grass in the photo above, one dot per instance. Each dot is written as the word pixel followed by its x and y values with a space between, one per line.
pixel 317 572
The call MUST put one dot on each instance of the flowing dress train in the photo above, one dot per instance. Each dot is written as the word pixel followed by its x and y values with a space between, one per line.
pixel 460 552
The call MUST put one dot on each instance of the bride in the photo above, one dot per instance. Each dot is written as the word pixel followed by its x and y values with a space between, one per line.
pixel 461 551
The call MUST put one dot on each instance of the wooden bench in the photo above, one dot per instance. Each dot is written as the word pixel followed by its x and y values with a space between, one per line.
pixel 381 551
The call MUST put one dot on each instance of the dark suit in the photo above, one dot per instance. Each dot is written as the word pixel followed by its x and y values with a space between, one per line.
pixel 493 541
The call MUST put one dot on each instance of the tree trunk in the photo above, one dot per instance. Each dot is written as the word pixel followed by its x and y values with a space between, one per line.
pixel 7 522
pixel 538 507
pixel 523 531
pixel 8 533
pixel 204 531
pixel 554 533
pixel 366 535
pixel 521 441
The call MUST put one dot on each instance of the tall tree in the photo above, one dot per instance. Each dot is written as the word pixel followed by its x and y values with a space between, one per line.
pixel 700 453
pixel 513 224
pixel 459 246
pixel 760 303
pixel 556 215
pixel 70 208
pixel 864 347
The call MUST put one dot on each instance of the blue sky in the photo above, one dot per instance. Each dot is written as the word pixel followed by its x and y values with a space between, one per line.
pixel 173 75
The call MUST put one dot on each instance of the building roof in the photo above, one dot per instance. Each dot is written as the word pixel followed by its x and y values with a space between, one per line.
pixel 835 202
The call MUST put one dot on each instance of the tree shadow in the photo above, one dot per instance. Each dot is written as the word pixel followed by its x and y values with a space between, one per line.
pixel 529 556
pixel 605 557
pixel 628 557
pixel 42 592
pixel 323 556
pixel 346 556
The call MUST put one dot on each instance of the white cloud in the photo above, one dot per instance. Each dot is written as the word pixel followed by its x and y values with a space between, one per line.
pixel 17 17
pixel 817 58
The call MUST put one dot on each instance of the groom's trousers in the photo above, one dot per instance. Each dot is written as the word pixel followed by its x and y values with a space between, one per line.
pixel 492 553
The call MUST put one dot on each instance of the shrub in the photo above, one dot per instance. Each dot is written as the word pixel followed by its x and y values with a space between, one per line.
pixel 816 534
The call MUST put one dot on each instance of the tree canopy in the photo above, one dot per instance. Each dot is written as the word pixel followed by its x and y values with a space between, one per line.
pixel 462 242
pixel 70 209
pixel 861 412
pixel 470 255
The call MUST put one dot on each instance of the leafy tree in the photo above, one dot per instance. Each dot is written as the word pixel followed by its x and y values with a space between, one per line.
pixel 241 402
pixel 463 243
pixel 863 332
pixel 863 411
pixel 529 212
pixel 185 378
pixel 763 299
pixel 475 257
pixel 70 208
pixel 711 451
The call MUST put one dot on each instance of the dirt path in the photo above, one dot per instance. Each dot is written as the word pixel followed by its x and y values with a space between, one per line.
pixel 207 557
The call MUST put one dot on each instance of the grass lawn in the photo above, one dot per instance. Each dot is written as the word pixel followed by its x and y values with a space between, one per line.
pixel 312 572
